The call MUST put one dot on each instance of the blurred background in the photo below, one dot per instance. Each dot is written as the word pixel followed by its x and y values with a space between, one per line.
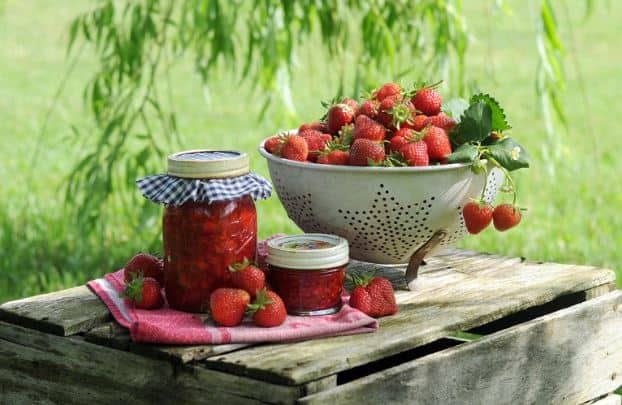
pixel 78 126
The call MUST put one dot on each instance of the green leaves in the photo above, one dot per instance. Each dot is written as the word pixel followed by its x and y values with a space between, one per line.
pixel 467 153
pixel 475 124
pixel 482 116
pixel 455 108
pixel 479 135
pixel 508 153
pixel 499 122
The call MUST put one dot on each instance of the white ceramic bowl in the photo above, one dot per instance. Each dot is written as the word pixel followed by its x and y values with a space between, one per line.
pixel 385 213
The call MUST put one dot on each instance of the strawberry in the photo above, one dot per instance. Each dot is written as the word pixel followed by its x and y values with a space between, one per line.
pixel 396 142
pixel 416 122
pixel 338 116
pixel 352 103
pixel 369 108
pixel 506 216
pixel 228 305
pixel 248 277
pixel 401 137
pixel 406 133
pixel 268 309
pixel 148 265
pixel 316 142
pixel 442 121
pixel 384 115
pixel 439 146
pixel 373 295
pixel 144 292
pixel 388 90
pixel 415 151
pixel 318 126
pixel 334 157
pixel 367 128
pixel 294 148
pixel 273 144
pixel 428 101
pixel 477 216
pixel 365 151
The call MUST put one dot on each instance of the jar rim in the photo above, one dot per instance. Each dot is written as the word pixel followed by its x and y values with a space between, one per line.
pixel 208 164
pixel 310 251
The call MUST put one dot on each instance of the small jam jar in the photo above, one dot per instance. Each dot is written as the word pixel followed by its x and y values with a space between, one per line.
pixel 308 271
pixel 202 239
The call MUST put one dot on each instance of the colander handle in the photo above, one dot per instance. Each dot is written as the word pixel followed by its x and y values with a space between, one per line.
pixel 417 258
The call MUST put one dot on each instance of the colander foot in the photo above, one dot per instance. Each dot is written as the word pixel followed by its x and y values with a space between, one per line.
pixel 417 258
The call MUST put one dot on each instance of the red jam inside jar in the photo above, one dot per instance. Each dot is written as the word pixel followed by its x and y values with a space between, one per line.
pixel 308 272
pixel 306 292
pixel 201 240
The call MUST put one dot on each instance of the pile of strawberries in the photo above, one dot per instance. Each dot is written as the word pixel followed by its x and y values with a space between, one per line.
pixel 249 293
pixel 392 127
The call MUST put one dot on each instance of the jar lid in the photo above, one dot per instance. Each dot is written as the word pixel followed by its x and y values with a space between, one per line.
pixel 208 164
pixel 309 251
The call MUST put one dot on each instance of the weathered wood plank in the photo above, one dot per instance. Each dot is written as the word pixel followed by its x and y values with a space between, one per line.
pixel 481 297
pixel 113 335
pixel 185 354
pixel 567 357
pixel 316 386
pixel 109 334
pixel 48 368
pixel 64 313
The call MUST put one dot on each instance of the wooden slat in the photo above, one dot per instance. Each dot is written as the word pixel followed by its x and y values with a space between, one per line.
pixel 36 367
pixel 64 313
pixel 114 335
pixel 567 357
pixel 480 297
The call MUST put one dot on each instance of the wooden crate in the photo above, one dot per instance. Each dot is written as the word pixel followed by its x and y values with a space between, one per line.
pixel 482 329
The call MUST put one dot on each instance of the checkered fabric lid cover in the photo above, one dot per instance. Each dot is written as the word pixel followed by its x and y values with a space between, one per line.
pixel 172 189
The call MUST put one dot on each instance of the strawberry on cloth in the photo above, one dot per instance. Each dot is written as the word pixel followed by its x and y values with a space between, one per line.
pixel 168 326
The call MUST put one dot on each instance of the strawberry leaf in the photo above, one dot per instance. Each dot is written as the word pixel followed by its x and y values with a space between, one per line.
pixel 455 107
pixel 509 154
pixel 499 121
pixel 475 124
pixel 467 153
pixel 395 159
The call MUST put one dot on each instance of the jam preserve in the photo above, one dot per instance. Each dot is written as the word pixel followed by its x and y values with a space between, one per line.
pixel 213 227
pixel 308 272
pixel 201 240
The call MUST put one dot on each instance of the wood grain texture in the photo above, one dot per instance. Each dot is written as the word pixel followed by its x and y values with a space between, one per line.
pixel 568 357
pixel 458 292
pixel 64 313
pixel 36 367
pixel 113 335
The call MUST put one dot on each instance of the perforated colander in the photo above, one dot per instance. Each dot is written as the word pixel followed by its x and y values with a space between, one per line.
pixel 385 213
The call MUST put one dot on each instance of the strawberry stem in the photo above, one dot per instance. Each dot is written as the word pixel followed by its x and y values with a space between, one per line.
pixel 508 178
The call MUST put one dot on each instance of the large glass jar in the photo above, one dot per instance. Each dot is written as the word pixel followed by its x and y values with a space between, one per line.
pixel 209 222
pixel 201 240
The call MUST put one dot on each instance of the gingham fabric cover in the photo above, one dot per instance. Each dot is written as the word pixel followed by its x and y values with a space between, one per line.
pixel 171 190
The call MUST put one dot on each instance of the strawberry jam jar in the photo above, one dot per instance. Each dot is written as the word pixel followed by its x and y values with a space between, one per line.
pixel 308 272
pixel 203 238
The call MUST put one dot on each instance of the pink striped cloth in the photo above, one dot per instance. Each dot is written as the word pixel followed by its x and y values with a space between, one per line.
pixel 169 326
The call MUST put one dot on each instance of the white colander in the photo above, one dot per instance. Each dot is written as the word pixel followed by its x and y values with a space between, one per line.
pixel 385 213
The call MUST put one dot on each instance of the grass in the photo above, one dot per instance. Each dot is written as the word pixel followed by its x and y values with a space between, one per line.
pixel 573 198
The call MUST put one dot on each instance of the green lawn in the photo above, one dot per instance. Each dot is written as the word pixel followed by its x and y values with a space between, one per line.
pixel 573 200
